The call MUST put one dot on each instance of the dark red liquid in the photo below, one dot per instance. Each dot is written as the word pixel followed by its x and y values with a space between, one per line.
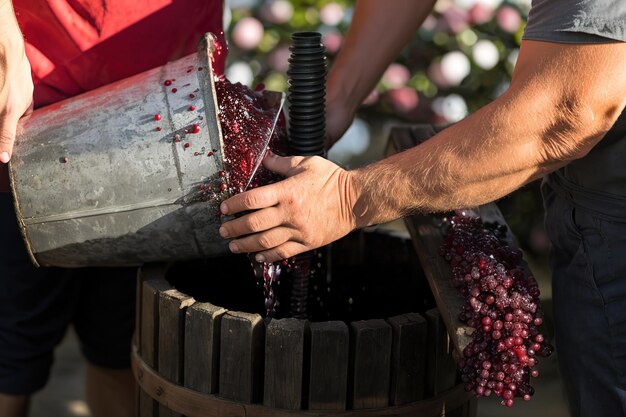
pixel 246 119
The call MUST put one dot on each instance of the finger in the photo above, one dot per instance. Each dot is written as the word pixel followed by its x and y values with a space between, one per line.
pixel 8 127
pixel 254 199
pixel 261 241
pixel 282 165
pixel 284 251
pixel 252 223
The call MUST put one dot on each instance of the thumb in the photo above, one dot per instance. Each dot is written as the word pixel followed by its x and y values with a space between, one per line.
pixel 281 165
pixel 8 127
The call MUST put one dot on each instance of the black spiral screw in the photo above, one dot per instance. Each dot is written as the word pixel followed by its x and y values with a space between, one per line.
pixel 307 131
pixel 307 94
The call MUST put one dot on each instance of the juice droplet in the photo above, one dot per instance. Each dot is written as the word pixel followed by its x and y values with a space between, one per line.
pixel 192 108
pixel 64 160
pixel 195 128
pixel 199 68
pixel 222 174
pixel 209 154
pixel 158 128
pixel 222 187
pixel 176 138
pixel 157 117
pixel 167 82
pixel 192 95
pixel 186 145
pixel 174 90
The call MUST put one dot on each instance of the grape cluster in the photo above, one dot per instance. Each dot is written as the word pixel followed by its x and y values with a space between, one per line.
pixel 502 306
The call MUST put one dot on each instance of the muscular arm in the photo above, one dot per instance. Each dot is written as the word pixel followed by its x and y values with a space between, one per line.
pixel 378 32
pixel 562 100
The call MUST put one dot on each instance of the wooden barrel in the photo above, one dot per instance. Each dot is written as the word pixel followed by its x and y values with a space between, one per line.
pixel 195 358
pixel 198 359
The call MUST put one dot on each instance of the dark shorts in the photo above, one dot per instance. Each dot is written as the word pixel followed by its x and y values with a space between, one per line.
pixel 588 260
pixel 38 304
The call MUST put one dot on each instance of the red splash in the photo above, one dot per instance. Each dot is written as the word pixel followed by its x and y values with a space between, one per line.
pixel 246 119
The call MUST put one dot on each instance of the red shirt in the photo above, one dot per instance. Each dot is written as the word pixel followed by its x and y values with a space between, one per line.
pixel 77 45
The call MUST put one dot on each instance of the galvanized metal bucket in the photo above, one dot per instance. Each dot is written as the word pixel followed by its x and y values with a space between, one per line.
pixel 98 181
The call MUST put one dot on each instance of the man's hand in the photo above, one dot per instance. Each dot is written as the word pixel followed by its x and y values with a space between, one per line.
pixel 16 84
pixel 312 207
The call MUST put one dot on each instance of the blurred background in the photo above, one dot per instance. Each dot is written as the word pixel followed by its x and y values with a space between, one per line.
pixel 460 60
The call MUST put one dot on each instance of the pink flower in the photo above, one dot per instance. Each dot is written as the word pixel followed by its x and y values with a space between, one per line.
pixel 277 11
pixel 248 33
pixel 331 14
pixel 332 41
pixel 403 99
pixel 480 13
pixel 396 76
pixel 456 20
pixel 509 19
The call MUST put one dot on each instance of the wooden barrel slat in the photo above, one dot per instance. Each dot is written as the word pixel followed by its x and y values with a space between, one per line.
pixel 152 283
pixel 195 404
pixel 285 345
pixel 172 308
pixel 140 395
pixel 408 358
pixel 241 357
pixel 138 289
pixel 370 363
pixel 441 369
pixel 328 374
pixel 202 347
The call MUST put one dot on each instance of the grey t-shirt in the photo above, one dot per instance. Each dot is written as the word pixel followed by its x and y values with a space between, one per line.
pixel 598 179
pixel 577 21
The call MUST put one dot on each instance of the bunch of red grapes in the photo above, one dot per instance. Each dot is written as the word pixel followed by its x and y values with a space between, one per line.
pixel 502 306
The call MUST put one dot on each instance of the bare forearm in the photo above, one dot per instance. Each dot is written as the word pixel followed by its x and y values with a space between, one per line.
pixel 473 162
pixel 10 34
pixel 548 118
pixel 11 41
pixel 379 31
